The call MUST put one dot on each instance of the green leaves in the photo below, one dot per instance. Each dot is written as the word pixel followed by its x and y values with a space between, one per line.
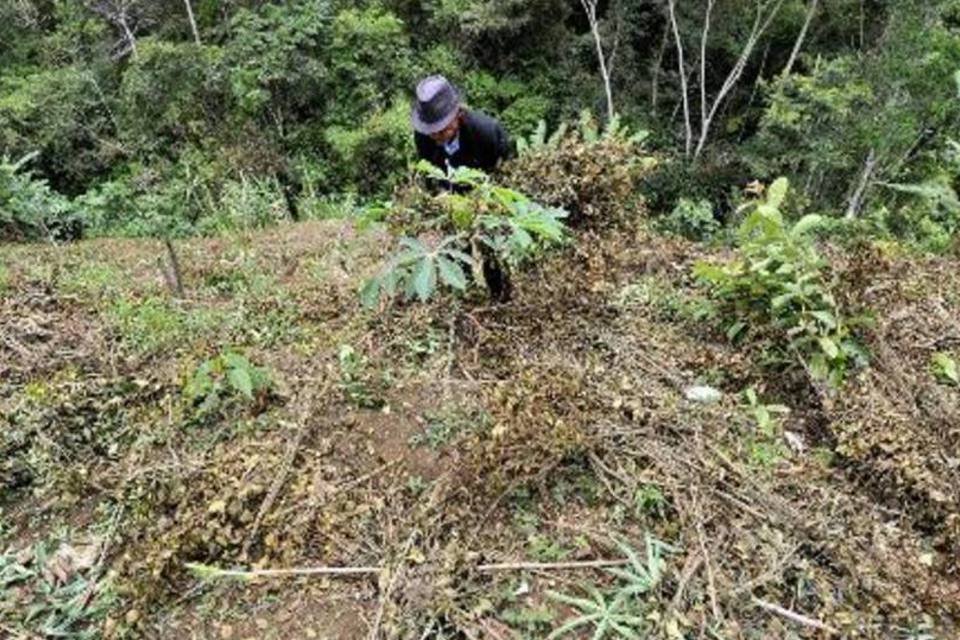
pixel 513 227
pixel 451 273
pixel 945 368
pixel 417 269
pixel 777 287
pixel 219 380
pixel 617 612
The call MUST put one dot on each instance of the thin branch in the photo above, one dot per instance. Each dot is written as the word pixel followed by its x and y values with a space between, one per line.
pixel 176 281
pixel 590 8
pixel 811 11
pixel 856 200
pixel 760 26
pixel 205 571
pixel 703 62
pixel 671 4
pixel 793 616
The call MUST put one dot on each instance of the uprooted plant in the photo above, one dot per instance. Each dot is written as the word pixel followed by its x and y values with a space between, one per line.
pixel 589 171
pixel 499 226
pixel 778 286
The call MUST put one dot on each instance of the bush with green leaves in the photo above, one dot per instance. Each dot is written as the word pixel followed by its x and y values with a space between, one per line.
pixel 692 219
pixel 777 287
pixel 29 209
pixel 492 222
pixel 225 380
pixel 171 93
pixel 63 115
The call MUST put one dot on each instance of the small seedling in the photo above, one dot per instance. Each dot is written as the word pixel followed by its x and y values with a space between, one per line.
pixel 945 369
pixel 617 612
pixel 224 378
pixel 355 379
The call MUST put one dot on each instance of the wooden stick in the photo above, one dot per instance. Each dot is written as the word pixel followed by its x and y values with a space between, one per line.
pixel 523 566
pixel 214 572
pixel 793 615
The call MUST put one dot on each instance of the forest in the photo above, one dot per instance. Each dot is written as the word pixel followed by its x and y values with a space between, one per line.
pixel 683 365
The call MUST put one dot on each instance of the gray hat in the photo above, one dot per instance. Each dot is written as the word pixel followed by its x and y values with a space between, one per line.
pixel 438 103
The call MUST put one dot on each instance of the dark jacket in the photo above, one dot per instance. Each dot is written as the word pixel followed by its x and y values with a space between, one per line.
pixel 483 143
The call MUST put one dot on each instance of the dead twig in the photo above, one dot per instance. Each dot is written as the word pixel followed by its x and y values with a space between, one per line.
pixel 793 616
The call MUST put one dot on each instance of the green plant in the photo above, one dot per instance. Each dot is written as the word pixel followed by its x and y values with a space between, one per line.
pixel 616 612
pixel 355 379
pixel 488 219
pixel 54 590
pixel 945 368
pixel 692 219
pixel 764 445
pixel 224 379
pixel 649 499
pixel 29 209
pixel 778 285
pixel 444 426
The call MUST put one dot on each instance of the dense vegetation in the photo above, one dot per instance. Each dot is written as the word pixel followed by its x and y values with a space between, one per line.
pixel 175 117
pixel 685 367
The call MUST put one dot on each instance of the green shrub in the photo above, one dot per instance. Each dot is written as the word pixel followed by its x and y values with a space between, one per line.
pixel 370 157
pixel 493 222
pixel 692 219
pixel 171 93
pixel 29 209
pixel 275 59
pixel 54 590
pixel 225 380
pixel 777 285
pixel 61 114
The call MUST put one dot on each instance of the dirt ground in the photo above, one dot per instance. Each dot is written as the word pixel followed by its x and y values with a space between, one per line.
pixel 453 445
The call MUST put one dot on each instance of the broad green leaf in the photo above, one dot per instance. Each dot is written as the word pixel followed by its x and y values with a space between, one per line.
pixel 370 294
pixel 782 300
pixel 826 318
pixel 424 280
pixel 241 381
pixel 735 330
pixel 946 368
pixel 829 347
pixel 819 368
pixel 451 273
pixel 806 224
pixel 777 192
pixel 414 245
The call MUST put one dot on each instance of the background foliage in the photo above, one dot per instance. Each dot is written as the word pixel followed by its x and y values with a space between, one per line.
pixel 276 105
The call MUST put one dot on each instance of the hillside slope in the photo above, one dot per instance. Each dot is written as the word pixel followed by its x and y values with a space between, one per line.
pixel 441 442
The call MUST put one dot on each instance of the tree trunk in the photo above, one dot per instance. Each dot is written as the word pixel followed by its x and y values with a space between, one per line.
pixel 688 130
pixel 856 200
pixel 590 7
pixel 193 22
pixel 811 10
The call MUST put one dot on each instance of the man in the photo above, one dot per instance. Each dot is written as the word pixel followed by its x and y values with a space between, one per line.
pixel 448 134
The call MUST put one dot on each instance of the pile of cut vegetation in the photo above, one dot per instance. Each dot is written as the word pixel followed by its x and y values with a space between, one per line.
pixel 595 455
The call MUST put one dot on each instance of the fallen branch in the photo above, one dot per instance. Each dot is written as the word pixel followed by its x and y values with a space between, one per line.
pixel 209 572
pixel 793 615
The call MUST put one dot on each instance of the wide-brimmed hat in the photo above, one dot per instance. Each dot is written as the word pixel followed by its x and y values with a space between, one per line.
pixel 438 103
